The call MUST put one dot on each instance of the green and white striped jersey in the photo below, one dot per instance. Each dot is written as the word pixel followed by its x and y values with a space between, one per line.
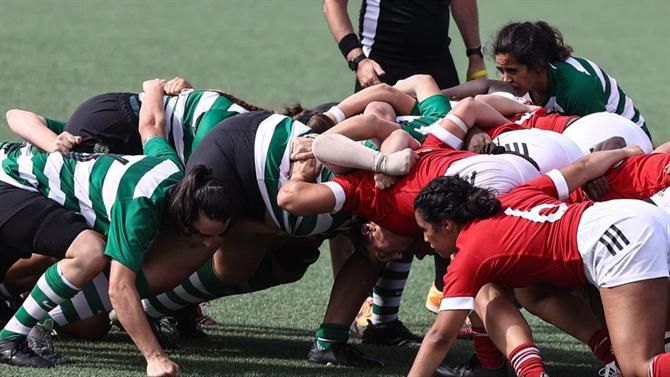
pixel 578 86
pixel 190 115
pixel 122 197
pixel 272 150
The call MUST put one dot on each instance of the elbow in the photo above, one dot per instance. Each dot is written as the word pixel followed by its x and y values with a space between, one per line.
pixel 286 198
pixel 12 116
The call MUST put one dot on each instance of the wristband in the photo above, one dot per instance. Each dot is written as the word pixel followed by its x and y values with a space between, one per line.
pixel 474 51
pixel 476 75
pixel 348 43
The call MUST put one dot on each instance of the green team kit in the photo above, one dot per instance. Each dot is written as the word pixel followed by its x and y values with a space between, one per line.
pixel 578 86
pixel 121 197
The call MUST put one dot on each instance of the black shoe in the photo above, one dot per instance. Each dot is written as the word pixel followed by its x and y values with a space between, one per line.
pixel 164 330
pixel 187 323
pixel 342 354
pixel 470 368
pixel 16 352
pixel 393 333
pixel 40 340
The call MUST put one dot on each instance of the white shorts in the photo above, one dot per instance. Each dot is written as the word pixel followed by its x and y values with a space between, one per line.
pixel 550 150
pixel 592 129
pixel 500 173
pixel 624 241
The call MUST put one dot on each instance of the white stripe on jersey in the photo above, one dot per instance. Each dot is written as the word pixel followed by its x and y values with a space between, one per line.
pixel 577 65
pixel 52 170
pixel 25 165
pixel 110 186
pixel 153 178
pixel 174 115
pixel 370 25
pixel 10 180
pixel 81 190
pixel 205 103
pixel 237 109
pixel 261 147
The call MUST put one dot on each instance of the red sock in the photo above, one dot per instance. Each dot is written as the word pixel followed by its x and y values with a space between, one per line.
pixel 527 361
pixel 660 366
pixel 487 353
pixel 601 346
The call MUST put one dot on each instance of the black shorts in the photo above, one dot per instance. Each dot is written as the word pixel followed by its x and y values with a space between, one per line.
pixel 228 150
pixel 39 226
pixel 443 71
pixel 108 123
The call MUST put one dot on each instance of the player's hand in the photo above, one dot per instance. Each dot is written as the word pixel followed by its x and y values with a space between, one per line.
pixel 596 188
pixel 305 170
pixel 667 169
pixel 176 86
pixel 368 72
pixel 161 366
pixel 301 149
pixel 633 150
pixel 65 142
pixel 383 181
pixel 155 84
pixel 476 139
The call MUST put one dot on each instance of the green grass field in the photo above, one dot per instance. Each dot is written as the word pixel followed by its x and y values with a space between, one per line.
pixel 55 54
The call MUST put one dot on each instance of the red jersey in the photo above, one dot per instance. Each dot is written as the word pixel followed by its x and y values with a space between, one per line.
pixel 540 119
pixel 393 208
pixel 532 240
pixel 638 177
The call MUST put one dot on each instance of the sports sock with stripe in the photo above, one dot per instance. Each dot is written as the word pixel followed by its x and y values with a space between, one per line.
pixel 329 334
pixel 660 366
pixel 526 361
pixel 387 292
pixel 51 289
pixel 487 353
pixel 601 346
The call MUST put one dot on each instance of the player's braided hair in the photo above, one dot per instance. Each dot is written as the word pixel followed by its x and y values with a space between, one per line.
pixel 198 193
pixel 454 198
pixel 239 101
pixel 533 44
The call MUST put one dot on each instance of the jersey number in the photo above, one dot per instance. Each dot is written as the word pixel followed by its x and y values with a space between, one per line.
pixel 543 213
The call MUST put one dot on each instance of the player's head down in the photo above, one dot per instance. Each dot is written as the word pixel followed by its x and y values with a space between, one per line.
pixel 446 204
pixel 198 205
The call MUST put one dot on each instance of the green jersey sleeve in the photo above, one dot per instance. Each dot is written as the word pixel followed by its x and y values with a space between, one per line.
pixel 159 147
pixel 55 125
pixel 583 98
pixel 132 227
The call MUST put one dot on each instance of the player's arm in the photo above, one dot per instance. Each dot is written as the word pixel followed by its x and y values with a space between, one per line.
pixel 466 16
pixel 176 85
pixel 467 113
pixel 592 166
pixel 126 302
pixel 45 134
pixel 305 198
pixel 505 106
pixel 437 342
pixel 335 11
pixel 356 103
pixel 152 114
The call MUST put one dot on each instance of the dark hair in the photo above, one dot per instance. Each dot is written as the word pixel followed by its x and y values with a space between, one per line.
pixel 454 198
pixel 533 44
pixel 359 241
pixel 198 193
pixel 238 101
pixel 293 111
pixel 312 118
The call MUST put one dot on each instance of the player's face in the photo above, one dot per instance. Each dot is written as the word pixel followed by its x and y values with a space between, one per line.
pixel 441 238
pixel 520 76
pixel 385 245
pixel 207 232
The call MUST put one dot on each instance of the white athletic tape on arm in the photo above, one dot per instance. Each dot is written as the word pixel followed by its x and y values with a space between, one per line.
pixel 457 121
pixel 560 183
pixel 337 113
pixel 340 196
pixel 445 136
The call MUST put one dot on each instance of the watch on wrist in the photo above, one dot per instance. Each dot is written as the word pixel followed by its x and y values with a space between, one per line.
pixel 353 63
pixel 474 51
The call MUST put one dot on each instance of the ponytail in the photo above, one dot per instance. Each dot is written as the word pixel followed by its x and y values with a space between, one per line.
pixel 198 193
pixel 533 44
pixel 454 198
